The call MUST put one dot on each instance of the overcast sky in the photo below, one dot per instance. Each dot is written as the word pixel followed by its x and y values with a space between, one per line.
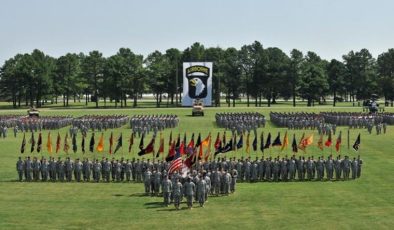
pixel 330 28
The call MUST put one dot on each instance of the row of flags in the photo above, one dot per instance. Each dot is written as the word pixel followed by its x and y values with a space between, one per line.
pixel 202 147
pixel 221 146
pixel 194 152
pixel 304 142
pixel 65 146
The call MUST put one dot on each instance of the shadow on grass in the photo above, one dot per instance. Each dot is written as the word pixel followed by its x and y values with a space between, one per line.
pixel 154 205
pixel 172 209
pixel 137 195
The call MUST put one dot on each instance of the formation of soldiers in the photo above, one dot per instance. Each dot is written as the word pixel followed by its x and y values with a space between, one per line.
pixel 143 124
pixel 381 127
pixel 98 122
pixel 300 120
pixel 223 173
pixel 196 185
pixel 359 120
pixel 287 169
pixel 6 121
pixel 326 122
pixel 240 122
pixel 84 169
pixel 3 131
pixel 31 124
pixel 388 118
pixel 353 120
pixel 10 121
pixel 212 178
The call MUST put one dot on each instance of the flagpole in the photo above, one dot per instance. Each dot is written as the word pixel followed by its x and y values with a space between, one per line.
pixel 348 139
pixel 262 142
pixel 153 152
pixel 162 154
pixel 359 146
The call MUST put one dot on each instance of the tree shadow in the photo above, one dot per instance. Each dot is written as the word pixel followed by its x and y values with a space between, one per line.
pixel 172 209
pixel 154 205
pixel 117 195
pixel 138 195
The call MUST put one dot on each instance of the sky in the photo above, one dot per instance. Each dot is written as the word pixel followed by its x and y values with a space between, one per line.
pixel 331 28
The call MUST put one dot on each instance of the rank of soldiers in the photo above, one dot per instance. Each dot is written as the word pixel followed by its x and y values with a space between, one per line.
pixel 97 123
pixel 31 124
pixel 240 122
pixel 326 122
pixel 216 177
pixel 297 120
pixel 360 120
pixel 144 124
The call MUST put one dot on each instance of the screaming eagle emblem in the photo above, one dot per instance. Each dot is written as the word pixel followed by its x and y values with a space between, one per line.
pixel 197 77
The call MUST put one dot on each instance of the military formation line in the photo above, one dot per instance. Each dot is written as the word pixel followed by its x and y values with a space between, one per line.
pixel 326 122
pixel 99 122
pixel 31 124
pixel 240 122
pixel 217 177
pixel 144 124
pixel 141 124
pixel 151 173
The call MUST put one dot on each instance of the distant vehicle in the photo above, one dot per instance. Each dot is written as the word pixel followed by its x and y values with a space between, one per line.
pixel 372 105
pixel 33 112
pixel 198 108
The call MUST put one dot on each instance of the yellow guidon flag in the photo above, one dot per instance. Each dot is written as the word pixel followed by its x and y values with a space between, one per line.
pixel 285 142
pixel 66 146
pixel 49 143
pixel 204 143
pixel 307 141
pixel 247 143
pixel 100 146
pixel 320 142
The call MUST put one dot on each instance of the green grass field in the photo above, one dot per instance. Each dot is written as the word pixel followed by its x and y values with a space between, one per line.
pixel 366 203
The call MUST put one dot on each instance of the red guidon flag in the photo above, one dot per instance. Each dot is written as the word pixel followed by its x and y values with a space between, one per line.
pixel 111 142
pixel 58 142
pixel 329 140
pixel 339 141
pixel 171 152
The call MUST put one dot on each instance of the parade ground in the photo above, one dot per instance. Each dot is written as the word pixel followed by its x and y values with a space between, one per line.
pixel 365 203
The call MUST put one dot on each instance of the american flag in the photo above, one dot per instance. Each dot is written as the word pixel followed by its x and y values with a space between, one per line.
pixel 176 163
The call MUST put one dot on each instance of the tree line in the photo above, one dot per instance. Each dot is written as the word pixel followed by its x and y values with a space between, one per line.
pixel 252 71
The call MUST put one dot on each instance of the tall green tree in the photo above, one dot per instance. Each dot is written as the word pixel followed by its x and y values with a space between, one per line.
pixel 66 77
pixel 157 71
pixel 132 75
pixel 113 79
pixel 276 82
pixel 249 57
pixel 336 72
pixel 194 53
pixel 232 74
pixel 175 72
pixel 361 72
pixel 385 64
pixel 216 56
pixel 296 59
pixel 12 82
pixel 93 71
pixel 313 82
pixel 41 68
